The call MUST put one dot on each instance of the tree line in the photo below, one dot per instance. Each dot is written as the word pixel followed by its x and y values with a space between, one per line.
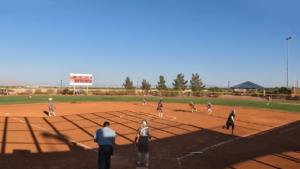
pixel 179 83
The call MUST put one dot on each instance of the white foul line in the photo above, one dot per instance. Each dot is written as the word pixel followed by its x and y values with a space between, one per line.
pixel 288 129
pixel 225 142
pixel 174 118
pixel 57 134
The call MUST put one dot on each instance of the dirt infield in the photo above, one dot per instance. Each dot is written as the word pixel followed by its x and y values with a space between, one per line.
pixel 263 138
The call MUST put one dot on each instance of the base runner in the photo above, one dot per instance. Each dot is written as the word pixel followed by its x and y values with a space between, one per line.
pixel 230 121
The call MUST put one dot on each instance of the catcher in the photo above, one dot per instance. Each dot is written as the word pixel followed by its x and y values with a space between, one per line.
pixel 159 108
pixel 143 135
pixel 193 107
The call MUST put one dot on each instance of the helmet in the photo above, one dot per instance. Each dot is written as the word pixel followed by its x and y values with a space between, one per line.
pixel 233 111
pixel 105 124
pixel 144 121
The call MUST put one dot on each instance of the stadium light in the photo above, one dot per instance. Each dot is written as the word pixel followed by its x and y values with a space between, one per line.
pixel 287 67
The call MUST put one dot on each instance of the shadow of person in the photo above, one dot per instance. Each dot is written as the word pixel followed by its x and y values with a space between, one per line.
pixel 47 113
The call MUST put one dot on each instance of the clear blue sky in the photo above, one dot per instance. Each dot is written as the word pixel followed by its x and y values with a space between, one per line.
pixel 42 41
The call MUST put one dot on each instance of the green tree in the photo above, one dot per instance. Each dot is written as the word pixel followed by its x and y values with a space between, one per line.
pixel 180 83
pixel 215 89
pixel 145 85
pixel 196 83
pixel 161 85
pixel 128 84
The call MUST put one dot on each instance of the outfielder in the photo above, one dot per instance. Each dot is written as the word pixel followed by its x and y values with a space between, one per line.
pixel 51 108
pixel 159 108
pixel 144 100
pixel 268 100
pixel 193 107
pixel 230 121
pixel 30 94
pixel 143 135
pixel 209 106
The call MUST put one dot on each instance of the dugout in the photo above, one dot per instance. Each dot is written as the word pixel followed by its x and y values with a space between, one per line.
pixel 248 85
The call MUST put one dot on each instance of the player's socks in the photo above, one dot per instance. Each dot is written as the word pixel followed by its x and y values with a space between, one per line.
pixel 232 131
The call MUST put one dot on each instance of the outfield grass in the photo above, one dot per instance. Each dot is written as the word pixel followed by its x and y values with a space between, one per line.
pixel 281 106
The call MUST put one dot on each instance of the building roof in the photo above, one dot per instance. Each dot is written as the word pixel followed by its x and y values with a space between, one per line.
pixel 247 85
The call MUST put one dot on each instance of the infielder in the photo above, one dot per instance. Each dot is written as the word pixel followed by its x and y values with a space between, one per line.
pixel 51 108
pixel 143 135
pixel 144 100
pixel 193 107
pixel 268 100
pixel 230 121
pixel 159 108
pixel 209 106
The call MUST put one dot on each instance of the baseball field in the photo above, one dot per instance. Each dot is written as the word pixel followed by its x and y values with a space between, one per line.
pixel 264 136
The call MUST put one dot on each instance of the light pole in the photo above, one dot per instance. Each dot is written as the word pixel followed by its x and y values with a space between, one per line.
pixel 297 87
pixel 287 65
pixel 228 85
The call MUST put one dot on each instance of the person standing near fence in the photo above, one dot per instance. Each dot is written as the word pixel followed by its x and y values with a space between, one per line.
pixel 159 108
pixel 105 137
pixel 230 121
pixel 209 106
pixel 143 135
pixel 51 107
pixel 268 100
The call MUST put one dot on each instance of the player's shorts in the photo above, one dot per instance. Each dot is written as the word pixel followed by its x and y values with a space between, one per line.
pixel 51 109
pixel 209 107
pixel 143 145
pixel 160 109
pixel 230 123
pixel 144 101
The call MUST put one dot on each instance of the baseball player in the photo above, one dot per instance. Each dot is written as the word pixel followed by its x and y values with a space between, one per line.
pixel 51 108
pixel 144 100
pixel 268 100
pixel 143 135
pixel 230 121
pixel 159 108
pixel 30 94
pixel 208 106
pixel 193 107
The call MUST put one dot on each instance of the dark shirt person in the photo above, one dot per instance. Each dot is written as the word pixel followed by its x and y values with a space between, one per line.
pixel 105 137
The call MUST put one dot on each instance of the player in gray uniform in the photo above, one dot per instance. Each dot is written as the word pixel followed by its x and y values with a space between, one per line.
pixel 143 135
pixel 159 108
pixel 209 106
pixel 51 108
pixel 144 100
pixel 268 100
pixel 192 107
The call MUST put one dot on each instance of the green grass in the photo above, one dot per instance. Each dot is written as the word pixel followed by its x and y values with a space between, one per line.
pixel 280 106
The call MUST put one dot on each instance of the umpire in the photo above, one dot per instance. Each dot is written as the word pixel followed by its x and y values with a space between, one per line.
pixel 105 137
